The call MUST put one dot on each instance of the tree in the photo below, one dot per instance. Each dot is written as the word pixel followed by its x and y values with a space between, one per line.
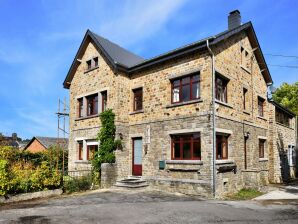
pixel 287 95
pixel 107 142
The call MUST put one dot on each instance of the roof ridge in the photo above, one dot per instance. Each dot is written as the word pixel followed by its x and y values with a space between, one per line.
pixel 116 44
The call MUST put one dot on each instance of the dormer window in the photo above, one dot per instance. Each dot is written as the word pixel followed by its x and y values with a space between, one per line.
pixel 92 63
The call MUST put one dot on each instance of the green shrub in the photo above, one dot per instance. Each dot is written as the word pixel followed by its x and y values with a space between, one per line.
pixel 5 184
pixel 77 184
pixel 106 137
pixel 22 172
pixel 45 178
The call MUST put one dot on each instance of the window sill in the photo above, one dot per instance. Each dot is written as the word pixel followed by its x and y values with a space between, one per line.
pixel 245 69
pixel 184 103
pixel 187 162
pixel 262 118
pixel 223 104
pixel 223 166
pixel 263 159
pixel 246 112
pixel 91 69
pixel 83 161
pixel 224 161
pixel 87 117
pixel 136 112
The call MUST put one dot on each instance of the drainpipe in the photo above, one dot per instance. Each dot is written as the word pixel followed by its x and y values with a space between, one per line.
pixel 213 119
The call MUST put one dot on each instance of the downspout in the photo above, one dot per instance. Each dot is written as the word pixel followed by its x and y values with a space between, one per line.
pixel 213 120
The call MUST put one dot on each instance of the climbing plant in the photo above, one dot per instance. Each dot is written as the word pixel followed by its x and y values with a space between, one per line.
pixel 107 142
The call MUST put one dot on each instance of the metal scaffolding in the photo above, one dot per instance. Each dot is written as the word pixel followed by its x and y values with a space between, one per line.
pixel 61 129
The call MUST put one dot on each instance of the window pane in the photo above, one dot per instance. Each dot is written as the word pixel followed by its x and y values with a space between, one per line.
pixel 195 90
pixel 224 148
pixel 221 147
pixel 176 153
pixel 95 105
pixel 196 136
pixel 176 83
pixel 89 64
pixel 186 151
pixel 138 99
pixel 104 96
pixel 176 94
pixel 220 89
pixel 186 80
pixel 96 62
pixel 185 93
pixel 196 150
pixel 195 78
pixel 80 145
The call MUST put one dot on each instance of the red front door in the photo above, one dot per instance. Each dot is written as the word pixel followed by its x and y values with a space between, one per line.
pixel 137 151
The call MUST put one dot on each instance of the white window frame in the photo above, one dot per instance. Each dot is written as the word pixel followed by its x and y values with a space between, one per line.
pixel 86 142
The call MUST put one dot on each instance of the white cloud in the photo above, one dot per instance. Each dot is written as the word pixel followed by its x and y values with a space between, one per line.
pixel 138 20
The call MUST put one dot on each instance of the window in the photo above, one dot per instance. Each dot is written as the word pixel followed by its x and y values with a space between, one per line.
pixel 186 147
pixel 282 118
pixel 221 89
pixel 261 106
pixel 104 100
pixel 245 59
pixel 80 150
pixel 137 99
pixel 244 98
pixel 80 107
pixel 92 63
pixel 91 149
pixel 92 105
pixel 261 148
pixel 221 147
pixel 291 155
pixel 186 88
pixel 89 65
pixel 95 61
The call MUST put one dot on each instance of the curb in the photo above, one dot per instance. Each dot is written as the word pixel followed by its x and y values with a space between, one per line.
pixel 30 196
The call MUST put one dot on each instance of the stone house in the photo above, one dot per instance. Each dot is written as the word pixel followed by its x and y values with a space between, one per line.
pixel 193 120
pixel 39 144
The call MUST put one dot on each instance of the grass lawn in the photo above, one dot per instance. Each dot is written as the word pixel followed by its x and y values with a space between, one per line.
pixel 244 194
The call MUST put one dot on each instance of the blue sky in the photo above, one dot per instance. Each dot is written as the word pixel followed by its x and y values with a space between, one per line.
pixel 39 38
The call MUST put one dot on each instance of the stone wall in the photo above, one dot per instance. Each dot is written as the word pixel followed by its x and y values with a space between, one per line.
pixel 108 175
pixel 159 119
pixel 281 137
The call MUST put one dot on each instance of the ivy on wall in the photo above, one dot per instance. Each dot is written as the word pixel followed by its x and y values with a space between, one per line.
pixel 107 142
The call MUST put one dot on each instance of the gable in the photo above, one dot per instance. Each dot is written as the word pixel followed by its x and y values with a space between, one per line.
pixel 115 55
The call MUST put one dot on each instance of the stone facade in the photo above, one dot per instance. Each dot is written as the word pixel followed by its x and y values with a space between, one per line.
pixel 160 119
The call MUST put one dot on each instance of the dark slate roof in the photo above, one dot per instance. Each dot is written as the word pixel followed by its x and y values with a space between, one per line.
pixel 117 53
pixel 128 62
pixel 49 141
pixel 281 107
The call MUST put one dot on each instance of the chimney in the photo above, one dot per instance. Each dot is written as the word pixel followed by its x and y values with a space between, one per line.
pixel 234 19
pixel 14 136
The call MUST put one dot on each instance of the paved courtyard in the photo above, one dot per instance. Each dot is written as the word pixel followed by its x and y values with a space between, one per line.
pixel 145 207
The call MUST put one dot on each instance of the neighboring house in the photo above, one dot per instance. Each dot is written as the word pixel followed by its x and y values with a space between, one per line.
pixel 39 144
pixel 164 112
pixel 283 161
pixel 12 140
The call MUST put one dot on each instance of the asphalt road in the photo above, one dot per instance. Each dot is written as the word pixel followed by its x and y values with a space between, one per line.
pixel 144 207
